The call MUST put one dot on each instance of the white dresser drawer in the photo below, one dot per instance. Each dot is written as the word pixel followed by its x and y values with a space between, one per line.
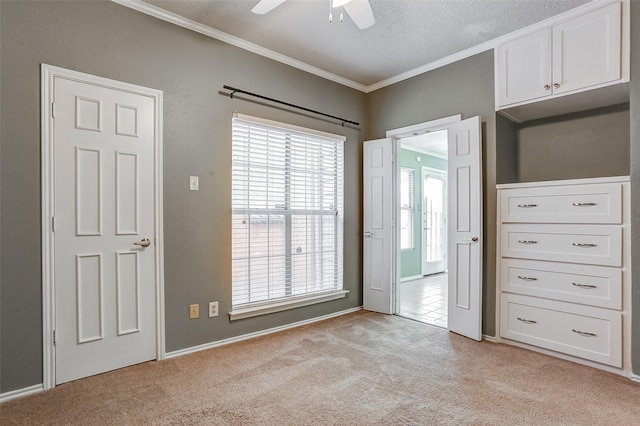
pixel 583 284
pixel 597 244
pixel 595 203
pixel 582 331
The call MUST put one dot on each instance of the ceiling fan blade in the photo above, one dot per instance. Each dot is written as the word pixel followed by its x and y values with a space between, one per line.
pixel 266 6
pixel 360 13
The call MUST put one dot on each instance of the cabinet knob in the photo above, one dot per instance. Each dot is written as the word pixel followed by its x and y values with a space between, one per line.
pixel 556 85
pixel 547 87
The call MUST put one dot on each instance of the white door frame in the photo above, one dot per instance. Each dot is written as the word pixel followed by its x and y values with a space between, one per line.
pixel 48 73
pixel 396 134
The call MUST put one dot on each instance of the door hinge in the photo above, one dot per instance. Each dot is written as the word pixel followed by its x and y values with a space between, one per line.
pixel 54 337
pixel 53 223
pixel 53 110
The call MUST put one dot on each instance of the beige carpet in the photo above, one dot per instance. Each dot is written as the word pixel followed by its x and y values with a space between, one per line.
pixel 358 369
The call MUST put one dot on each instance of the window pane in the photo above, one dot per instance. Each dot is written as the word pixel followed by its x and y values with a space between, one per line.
pixel 407 211
pixel 287 212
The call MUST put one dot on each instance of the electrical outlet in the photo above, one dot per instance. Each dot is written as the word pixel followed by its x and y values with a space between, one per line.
pixel 194 183
pixel 213 309
pixel 194 311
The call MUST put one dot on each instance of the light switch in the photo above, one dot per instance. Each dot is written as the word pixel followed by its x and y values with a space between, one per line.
pixel 194 185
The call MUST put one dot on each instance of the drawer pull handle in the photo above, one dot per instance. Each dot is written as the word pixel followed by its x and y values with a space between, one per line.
pixel 585 285
pixel 527 206
pixel 584 204
pixel 584 245
pixel 526 321
pixel 527 241
pixel 527 278
pixel 583 333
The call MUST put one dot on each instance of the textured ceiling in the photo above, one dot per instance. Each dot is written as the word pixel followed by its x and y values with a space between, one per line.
pixel 407 34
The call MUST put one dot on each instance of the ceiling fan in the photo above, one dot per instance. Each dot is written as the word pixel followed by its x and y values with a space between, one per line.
pixel 359 10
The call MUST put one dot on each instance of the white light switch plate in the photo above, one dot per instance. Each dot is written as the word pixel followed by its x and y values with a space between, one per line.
pixel 194 185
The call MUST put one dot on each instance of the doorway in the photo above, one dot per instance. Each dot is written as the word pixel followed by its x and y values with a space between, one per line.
pixel 382 222
pixel 102 225
pixel 423 288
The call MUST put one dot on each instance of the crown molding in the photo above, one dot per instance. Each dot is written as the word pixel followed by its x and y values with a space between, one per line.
pixel 181 21
pixel 159 13
pixel 492 44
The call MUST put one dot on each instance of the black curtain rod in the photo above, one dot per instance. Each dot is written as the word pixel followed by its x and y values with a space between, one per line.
pixel 235 90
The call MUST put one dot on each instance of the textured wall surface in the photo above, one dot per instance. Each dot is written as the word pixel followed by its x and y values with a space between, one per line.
pixel 112 41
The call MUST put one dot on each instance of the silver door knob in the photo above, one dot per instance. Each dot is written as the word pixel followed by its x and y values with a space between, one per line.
pixel 368 234
pixel 474 239
pixel 556 85
pixel 145 242
pixel 547 87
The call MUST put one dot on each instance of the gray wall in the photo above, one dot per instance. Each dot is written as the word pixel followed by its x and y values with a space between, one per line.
pixel 588 144
pixel 109 40
pixel 506 150
pixel 465 87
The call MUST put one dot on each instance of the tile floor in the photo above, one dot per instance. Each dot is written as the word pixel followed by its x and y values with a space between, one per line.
pixel 425 299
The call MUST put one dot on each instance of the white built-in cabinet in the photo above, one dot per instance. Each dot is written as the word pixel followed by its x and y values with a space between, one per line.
pixel 581 54
pixel 563 269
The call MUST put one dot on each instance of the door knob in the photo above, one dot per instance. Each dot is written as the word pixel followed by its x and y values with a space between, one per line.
pixel 474 239
pixel 368 234
pixel 145 242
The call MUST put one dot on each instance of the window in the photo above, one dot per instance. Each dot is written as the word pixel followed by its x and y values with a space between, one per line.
pixel 407 213
pixel 287 216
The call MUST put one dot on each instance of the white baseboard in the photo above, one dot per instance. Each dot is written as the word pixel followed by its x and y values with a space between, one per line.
pixel 19 393
pixel 230 340
pixel 491 339
pixel 566 357
pixel 634 377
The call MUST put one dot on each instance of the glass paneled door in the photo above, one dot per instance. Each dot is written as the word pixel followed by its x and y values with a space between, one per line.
pixel 434 227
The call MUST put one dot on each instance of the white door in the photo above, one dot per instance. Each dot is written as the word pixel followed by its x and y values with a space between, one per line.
pixel 465 228
pixel 434 245
pixel 377 226
pixel 104 186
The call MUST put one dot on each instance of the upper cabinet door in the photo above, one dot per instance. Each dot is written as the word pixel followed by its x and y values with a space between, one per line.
pixel 587 50
pixel 524 67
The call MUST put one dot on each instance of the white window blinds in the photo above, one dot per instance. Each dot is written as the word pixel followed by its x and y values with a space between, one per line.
pixel 287 212
pixel 407 211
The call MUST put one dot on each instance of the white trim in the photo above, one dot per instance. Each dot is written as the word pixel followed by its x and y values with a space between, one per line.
pixel 422 128
pixel 488 338
pixel 19 393
pixel 581 181
pixel 634 378
pixel 287 126
pixel 248 336
pixel 577 360
pixel 295 302
pixel 48 73
pixel 181 21
pixel 159 13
